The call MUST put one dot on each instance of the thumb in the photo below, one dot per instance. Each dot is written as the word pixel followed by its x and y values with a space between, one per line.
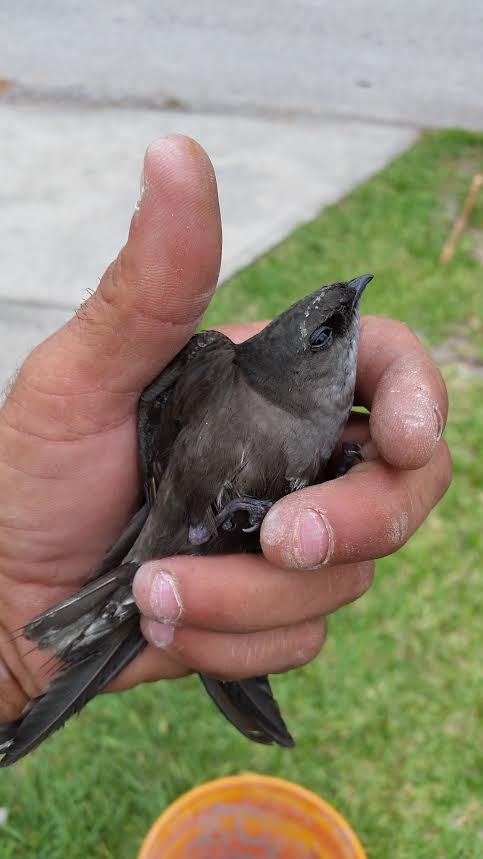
pixel 146 306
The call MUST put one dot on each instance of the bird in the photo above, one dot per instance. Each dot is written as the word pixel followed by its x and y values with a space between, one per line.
pixel 224 431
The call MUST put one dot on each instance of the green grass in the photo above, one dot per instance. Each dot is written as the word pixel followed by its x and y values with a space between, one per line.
pixel 394 226
pixel 388 720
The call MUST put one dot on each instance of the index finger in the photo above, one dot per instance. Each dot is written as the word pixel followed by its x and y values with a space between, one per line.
pixel 402 387
pixel 369 513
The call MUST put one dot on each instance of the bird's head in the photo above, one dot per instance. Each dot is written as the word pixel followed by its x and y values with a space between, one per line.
pixel 314 342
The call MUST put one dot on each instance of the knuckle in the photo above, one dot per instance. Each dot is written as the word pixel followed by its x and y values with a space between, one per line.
pixel 404 331
pixel 397 525
pixel 309 644
pixel 441 384
pixel 444 471
pixel 238 660
pixel 182 650
pixel 242 655
pixel 111 293
pixel 397 330
pixel 363 578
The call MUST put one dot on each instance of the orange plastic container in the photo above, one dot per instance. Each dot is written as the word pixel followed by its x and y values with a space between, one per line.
pixel 251 817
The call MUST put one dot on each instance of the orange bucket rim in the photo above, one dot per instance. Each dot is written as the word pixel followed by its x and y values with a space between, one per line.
pixel 216 784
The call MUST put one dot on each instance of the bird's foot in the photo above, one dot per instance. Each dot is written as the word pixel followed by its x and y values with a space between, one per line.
pixel 351 455
pixel 198 534
pixel 255 508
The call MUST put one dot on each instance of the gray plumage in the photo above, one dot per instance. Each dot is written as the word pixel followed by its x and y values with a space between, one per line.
pixel 224 431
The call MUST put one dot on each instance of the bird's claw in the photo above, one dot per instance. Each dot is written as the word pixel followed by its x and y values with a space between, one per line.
pixel 351 455
pixel 256 508
pixel 198 534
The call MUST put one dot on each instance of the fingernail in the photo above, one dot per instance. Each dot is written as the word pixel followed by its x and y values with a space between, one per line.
pixel 428 412
pixel 142 189
pixel 162 592
pixel 160 634
pixel 305 546
pixel 439 423
pixel 312 540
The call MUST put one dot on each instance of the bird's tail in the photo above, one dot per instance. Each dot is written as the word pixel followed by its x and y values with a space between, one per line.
pixel 96 632
pixel 250 706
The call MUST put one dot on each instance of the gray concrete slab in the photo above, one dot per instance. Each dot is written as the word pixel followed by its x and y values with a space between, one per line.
pixel 420 61
pixel 70 179
pixel 296 102
pixel 22 326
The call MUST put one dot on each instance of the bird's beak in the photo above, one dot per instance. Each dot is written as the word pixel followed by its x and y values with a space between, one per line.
pixel 359 284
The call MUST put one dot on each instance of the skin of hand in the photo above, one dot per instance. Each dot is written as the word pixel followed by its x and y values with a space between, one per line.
pixel 69 471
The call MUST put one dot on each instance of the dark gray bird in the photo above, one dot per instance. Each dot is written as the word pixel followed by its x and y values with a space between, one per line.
pixel 224 431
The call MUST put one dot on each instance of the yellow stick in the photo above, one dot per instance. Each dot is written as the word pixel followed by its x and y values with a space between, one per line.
pixel 462 220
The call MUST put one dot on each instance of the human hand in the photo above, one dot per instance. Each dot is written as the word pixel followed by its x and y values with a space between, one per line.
pixel 69 469
pixel 69 475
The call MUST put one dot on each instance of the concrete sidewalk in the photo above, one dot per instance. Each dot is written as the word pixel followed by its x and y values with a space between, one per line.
pixel 419 62
pixel 71 179
pixel 295 102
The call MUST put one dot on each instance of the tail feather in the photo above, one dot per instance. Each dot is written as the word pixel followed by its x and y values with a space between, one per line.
pixel 7 733
pixel 67 621
pixel 69 692
pixel 250 706
pixel 96 632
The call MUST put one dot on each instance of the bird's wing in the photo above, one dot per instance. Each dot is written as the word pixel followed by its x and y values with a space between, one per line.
pixel 156 419
pixel 158 427
pixel 250 706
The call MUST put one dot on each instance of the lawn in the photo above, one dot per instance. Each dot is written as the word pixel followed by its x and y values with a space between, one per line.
pixel 388 719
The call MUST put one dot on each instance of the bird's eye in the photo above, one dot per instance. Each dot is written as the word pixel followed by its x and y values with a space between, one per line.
pixel 321 338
